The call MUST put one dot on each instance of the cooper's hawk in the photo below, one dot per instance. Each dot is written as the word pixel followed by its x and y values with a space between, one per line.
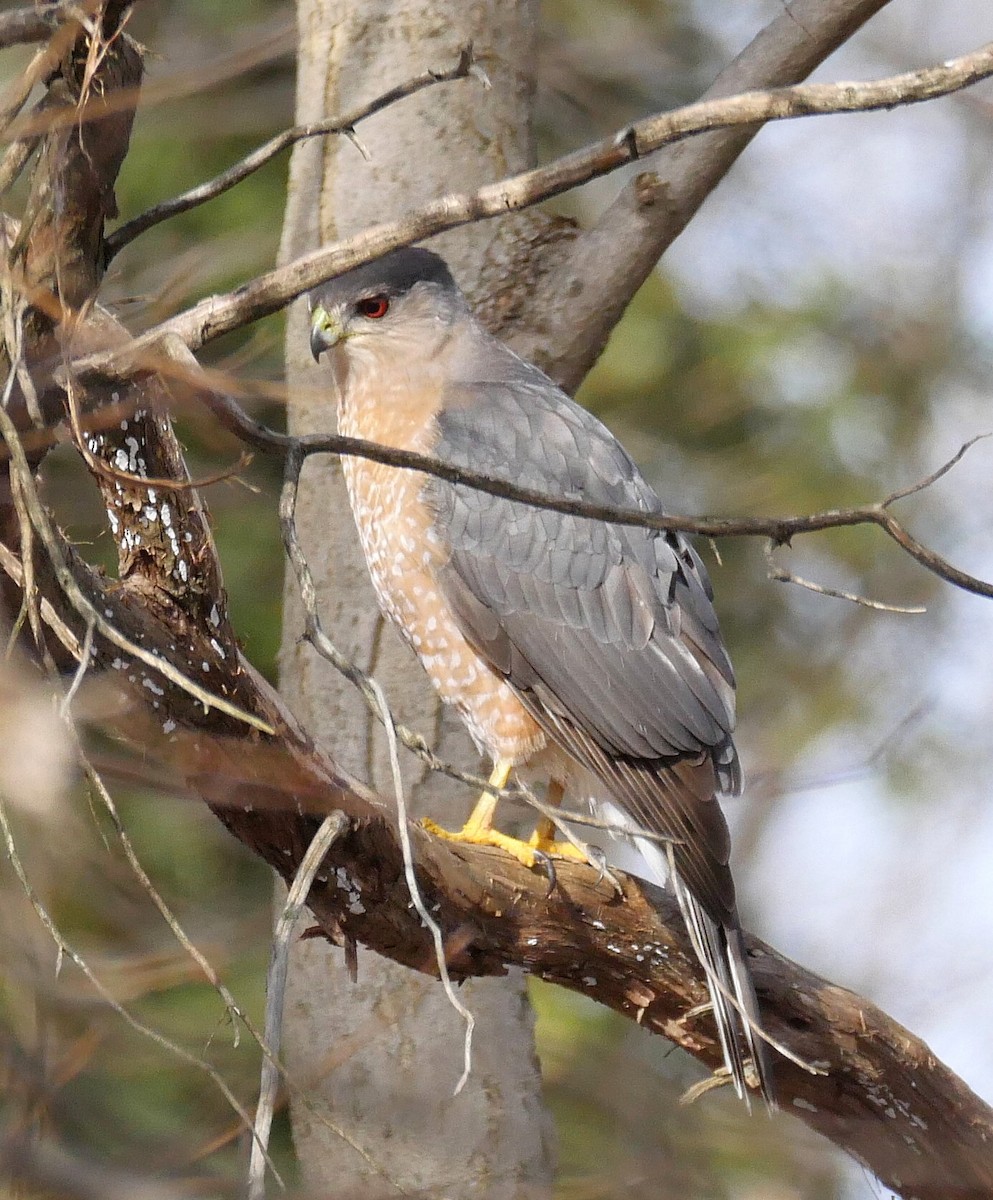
pixel 586 649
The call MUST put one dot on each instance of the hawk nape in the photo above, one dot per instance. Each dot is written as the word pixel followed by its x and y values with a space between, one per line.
pixel 588 650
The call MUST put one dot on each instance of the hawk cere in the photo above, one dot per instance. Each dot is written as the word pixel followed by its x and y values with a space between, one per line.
pixel 584 650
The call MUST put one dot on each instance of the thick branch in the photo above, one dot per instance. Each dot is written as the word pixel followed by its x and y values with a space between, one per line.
pixel 604 268
pixel 266 294
pixel 885 1098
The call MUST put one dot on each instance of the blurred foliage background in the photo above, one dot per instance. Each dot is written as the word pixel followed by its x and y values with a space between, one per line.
pixel 820 336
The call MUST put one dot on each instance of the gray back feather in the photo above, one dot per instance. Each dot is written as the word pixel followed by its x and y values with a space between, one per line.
pixel 616 621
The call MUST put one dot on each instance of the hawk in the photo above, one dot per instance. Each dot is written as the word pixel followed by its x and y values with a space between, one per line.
pixel 583 649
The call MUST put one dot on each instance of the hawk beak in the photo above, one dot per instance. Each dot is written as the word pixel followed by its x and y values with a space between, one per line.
pixel 325 332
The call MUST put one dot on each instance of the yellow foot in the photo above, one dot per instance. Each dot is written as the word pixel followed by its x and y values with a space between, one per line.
pixel 543 841
pixel 539 846
pixel 479 831
pixel 476 835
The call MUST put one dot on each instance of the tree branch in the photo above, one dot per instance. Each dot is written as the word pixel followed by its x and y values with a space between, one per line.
pixel 885 1098
pixel 24 25
pixel 217 315
pixel 125 234
pixel 584 298
pixel 780 530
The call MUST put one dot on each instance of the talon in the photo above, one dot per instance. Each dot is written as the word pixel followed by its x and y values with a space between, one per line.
pixel 471 834
pixel 548 864
pixel 541 848
pixel 543 839
pixel 598 859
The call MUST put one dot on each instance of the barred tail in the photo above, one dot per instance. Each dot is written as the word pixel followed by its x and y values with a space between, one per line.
pixel 721 950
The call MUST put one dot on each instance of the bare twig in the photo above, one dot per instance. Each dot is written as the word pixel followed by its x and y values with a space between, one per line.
pixel 125 234
pixel 416 896
pixel 330 830
pixel 267 293
pixel 940 472
pixel 780 530
pixel 781 575
pixel 232 1007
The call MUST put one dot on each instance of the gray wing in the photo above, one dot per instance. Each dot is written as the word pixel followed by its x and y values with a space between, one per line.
pixel 606 632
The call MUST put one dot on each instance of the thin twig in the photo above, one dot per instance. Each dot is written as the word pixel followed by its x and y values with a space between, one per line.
pixel 933 478
pixel 781 530
pixel 125 234
pixel 28 609
pixel 85 655
pixel 333 825
pixel 781 575
pixel 403 829
pixel 15 570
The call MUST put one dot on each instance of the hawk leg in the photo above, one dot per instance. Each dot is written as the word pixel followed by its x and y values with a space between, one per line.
pixel 543 838
pixel 479 831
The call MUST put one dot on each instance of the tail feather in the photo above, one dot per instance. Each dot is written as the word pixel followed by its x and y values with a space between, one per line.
pixel 721 950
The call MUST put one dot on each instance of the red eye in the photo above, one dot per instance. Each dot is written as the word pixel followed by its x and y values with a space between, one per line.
pixel 373 307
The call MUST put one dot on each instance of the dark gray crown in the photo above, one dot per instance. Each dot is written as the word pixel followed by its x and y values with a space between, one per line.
pixel 393 274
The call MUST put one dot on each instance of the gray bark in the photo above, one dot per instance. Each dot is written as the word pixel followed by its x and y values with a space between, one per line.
pixel 381 1057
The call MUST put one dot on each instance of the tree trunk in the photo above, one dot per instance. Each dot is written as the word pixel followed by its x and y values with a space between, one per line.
pixel 381 1057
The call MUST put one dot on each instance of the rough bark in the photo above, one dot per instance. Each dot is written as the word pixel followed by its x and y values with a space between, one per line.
pixel 393 1091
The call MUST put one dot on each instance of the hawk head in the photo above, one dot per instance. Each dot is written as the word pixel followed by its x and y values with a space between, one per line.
pixel 407 297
